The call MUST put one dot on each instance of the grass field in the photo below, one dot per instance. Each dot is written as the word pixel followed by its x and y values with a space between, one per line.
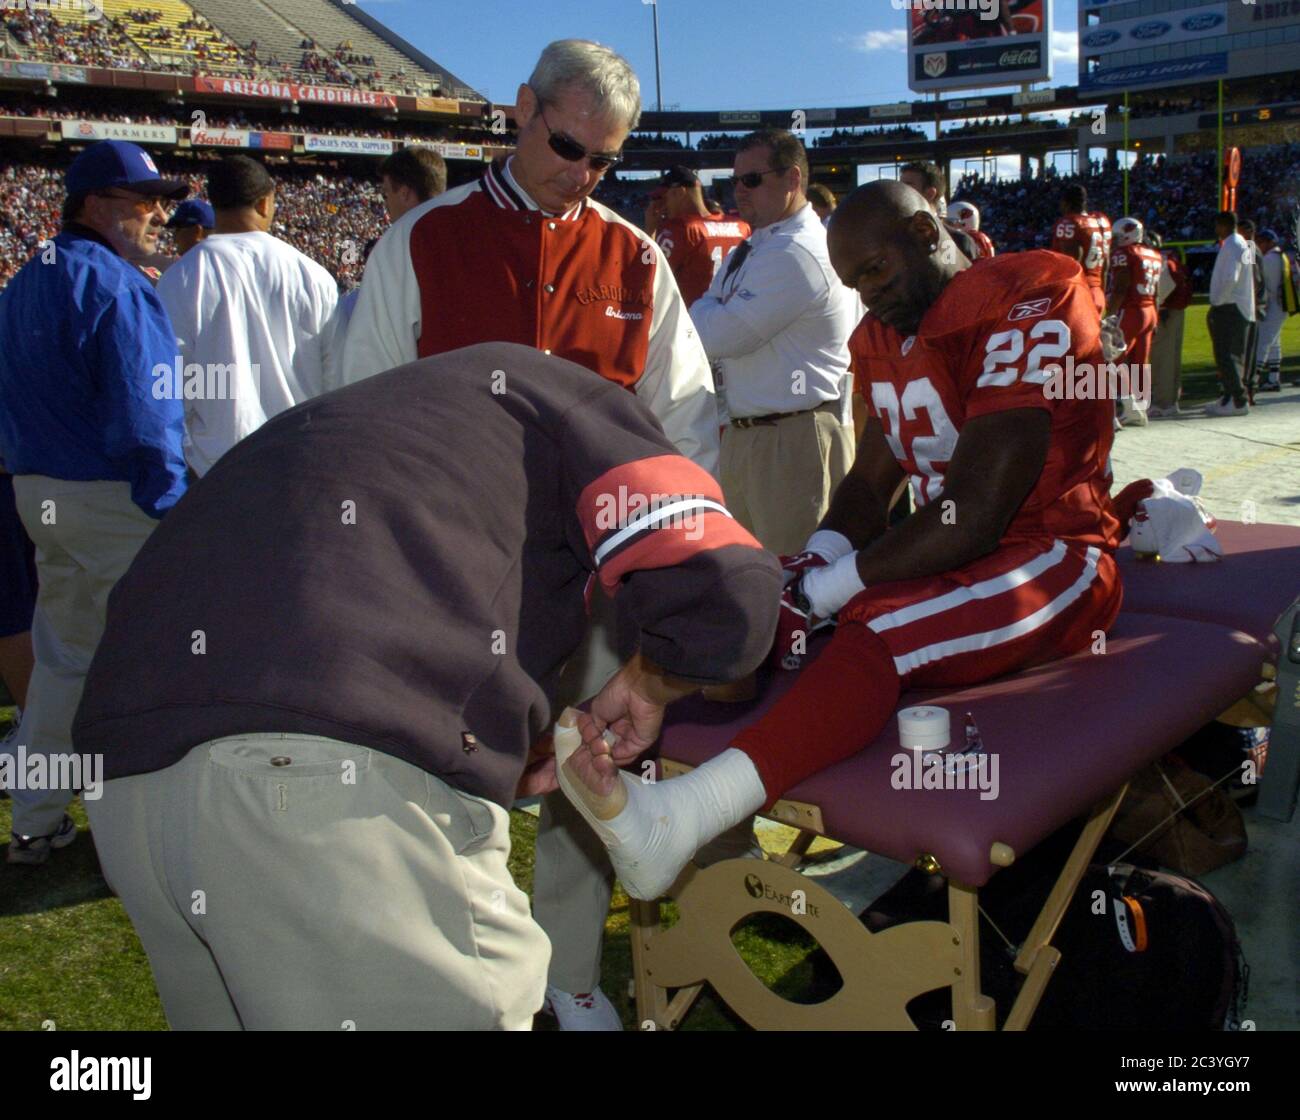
pixel 68 954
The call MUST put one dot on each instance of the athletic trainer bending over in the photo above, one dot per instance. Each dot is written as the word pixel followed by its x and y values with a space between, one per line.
pixel 322 675
pixel 1006 563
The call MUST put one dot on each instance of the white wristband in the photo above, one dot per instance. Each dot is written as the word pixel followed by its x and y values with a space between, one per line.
pixel 829 588
pixel 829 545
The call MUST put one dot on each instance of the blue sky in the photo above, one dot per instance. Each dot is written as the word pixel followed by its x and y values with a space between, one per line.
pixel 738 55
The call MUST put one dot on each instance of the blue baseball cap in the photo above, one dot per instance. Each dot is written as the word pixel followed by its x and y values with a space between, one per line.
pixel 1267 235
pixel 117 163
pixel 195 212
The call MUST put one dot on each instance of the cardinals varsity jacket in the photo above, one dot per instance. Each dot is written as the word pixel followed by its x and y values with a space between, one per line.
pixel 481 263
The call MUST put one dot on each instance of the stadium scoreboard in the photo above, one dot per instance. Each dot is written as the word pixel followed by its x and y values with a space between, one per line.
pixel 963 44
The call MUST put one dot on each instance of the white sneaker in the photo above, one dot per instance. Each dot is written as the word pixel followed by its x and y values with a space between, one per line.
pixel 1131 415
pixel 34 850
pixel 582 1011
pixel 1155 412
pixel 1226 408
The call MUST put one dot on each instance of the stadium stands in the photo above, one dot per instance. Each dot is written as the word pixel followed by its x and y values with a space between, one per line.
pixel 170 31
pixel 335 49
pixel 71 37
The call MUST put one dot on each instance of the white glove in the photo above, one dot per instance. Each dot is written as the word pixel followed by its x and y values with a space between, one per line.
pixel 1113 345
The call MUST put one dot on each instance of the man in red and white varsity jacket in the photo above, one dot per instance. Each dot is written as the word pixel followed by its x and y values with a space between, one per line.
pixel 524 255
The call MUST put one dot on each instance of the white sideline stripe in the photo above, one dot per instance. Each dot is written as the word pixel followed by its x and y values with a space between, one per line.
pixel 985 589
pixel 1044 614
pixel 651 520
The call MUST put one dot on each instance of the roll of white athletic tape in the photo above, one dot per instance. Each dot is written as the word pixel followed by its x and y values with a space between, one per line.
pixel 924 729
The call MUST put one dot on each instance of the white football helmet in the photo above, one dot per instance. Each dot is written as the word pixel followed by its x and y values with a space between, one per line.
pixel 965 215
pixel 1129 231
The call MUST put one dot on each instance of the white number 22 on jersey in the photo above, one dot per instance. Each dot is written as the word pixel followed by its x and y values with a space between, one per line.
pixel 1005 349
pixel 925 450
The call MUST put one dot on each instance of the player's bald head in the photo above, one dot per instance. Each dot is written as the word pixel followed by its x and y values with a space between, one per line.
pixel 885 241
pixel 881 210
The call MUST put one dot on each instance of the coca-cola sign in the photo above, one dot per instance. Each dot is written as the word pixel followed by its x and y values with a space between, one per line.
pixel 1027 56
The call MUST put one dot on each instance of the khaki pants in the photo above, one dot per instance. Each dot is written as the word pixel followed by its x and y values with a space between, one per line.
pixel 342 889
pixel 778 478
pixel 86 535
pixel 1167 360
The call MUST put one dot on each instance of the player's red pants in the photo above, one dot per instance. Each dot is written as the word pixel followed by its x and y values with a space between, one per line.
pixel 1026 603
pixel 1139 327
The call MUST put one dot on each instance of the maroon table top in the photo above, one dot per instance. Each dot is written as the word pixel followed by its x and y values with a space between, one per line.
pixel 1247 590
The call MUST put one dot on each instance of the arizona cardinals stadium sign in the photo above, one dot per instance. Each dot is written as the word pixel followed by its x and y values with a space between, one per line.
pixel 958 44
pixel 294 91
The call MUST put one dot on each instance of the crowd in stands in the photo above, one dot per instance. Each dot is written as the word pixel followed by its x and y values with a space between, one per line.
pixel 846 137
pixel 1175 198
pixel 100 42
pixel 182 116
pixel 648 141
pixel 109 43
pixel 1003 124
pixel 328 217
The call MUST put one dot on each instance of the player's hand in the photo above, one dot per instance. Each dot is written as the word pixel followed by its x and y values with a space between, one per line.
pixel 1113 345
pixel 792 567
pixel 794 626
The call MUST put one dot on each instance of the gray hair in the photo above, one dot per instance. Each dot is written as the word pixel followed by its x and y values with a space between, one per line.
pixel 602 73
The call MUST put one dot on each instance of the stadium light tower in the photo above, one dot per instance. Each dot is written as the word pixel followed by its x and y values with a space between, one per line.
pixel 659 93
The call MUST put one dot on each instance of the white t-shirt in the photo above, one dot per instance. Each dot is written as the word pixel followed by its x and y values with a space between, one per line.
pixel 259 318
pixel 1233 279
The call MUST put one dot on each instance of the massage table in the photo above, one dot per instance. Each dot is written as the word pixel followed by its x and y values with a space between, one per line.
pixel 1191 641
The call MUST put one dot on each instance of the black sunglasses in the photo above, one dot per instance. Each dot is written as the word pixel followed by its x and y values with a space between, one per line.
pixel 751 179
pixel 570 150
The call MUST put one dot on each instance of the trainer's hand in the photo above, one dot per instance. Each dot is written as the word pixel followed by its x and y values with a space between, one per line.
pixel 539 770
pixel 631 708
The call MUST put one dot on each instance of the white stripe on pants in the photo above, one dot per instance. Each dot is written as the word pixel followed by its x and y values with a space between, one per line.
pixel 1270 336
pixel 335 888
pixel 86 535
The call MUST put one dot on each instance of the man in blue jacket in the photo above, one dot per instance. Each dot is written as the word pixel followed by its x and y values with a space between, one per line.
pixel 93 438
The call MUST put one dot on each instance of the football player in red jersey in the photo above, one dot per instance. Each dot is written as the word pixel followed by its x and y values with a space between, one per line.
pixel 1135 270
pixel 1085 238
pixel 1008 561
pixel 966 215
pixel 694 239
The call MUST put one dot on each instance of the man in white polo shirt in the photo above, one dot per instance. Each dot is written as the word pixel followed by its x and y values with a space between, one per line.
pixel 776 321
pixel 1232 310
pixel 255 319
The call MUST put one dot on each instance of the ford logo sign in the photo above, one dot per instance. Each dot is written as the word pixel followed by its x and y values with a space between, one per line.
pixel 1102 38
pixel 1152 30
pixel 1203 22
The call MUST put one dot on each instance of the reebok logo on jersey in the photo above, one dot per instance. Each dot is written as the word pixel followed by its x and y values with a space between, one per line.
pixel 1030 309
